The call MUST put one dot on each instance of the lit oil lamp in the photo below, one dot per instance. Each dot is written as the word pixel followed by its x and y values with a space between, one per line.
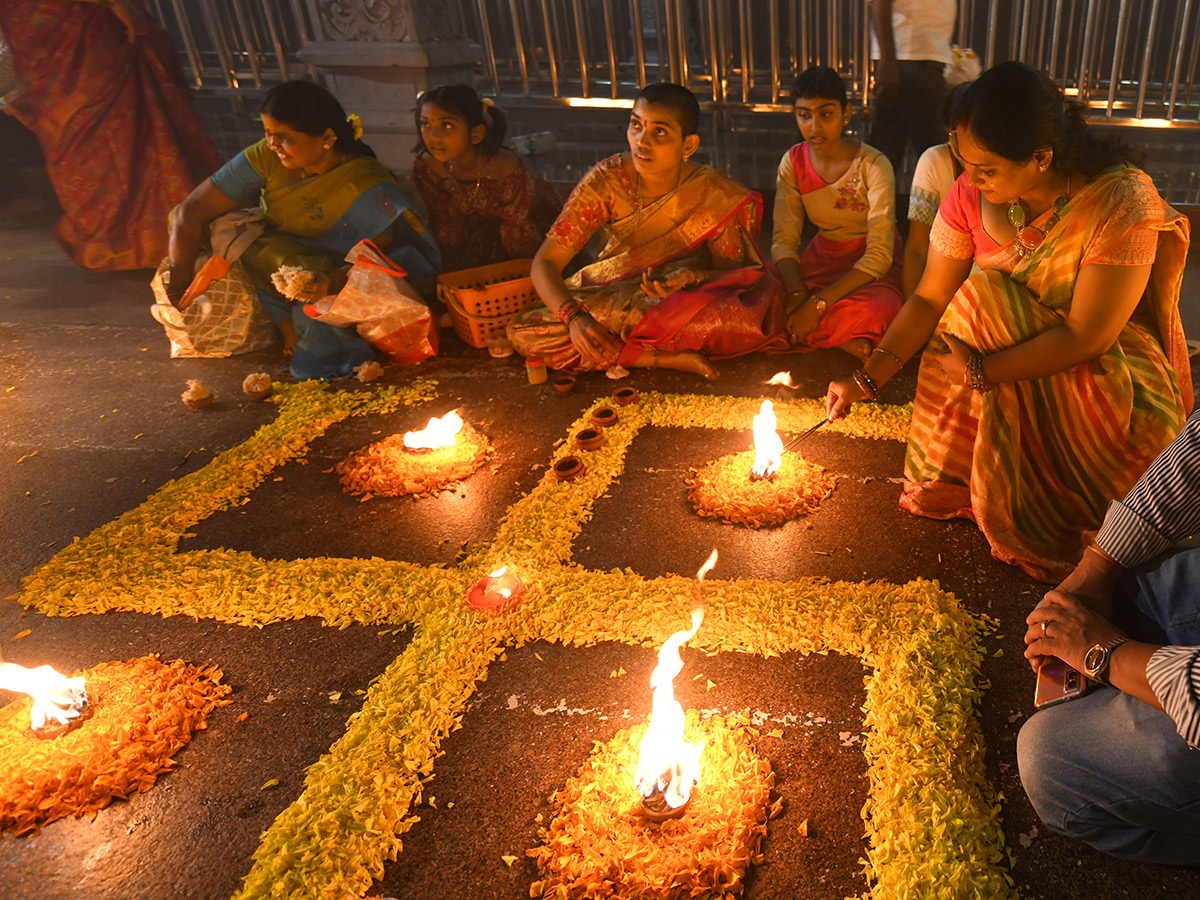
pixel 495 590
pixel 783 379
pixel 668 766
pixel 438 433
pixel 768 446
pixel 55 696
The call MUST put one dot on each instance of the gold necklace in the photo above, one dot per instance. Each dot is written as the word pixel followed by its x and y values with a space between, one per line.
pixel 480 171
pixel 637 194
pixel 1030 237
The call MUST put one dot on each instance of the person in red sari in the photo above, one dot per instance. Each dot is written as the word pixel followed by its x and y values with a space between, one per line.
pixel 680 277
pixel 103 93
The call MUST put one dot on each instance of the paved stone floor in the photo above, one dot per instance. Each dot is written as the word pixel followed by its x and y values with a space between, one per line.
pixel 91 425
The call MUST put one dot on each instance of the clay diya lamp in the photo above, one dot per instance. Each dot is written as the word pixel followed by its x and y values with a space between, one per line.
pixel 589 439
pixel 568 468
pixel 604 416
pixel 625 395
pixel 563 383
pixel 493 591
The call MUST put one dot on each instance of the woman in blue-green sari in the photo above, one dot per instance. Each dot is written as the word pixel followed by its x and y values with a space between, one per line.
pixel 320 191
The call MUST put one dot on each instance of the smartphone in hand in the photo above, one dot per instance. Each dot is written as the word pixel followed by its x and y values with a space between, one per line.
pixel 1057 683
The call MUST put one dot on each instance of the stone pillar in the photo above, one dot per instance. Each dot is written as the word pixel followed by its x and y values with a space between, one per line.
pixel 378 55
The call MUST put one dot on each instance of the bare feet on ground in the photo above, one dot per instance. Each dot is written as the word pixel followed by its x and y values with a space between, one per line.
pixel 687 361
pixel 289 336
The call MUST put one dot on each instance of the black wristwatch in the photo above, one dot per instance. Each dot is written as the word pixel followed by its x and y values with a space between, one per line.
pixel 1096 660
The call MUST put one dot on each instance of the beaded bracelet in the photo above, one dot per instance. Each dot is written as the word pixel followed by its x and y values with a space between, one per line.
pixel 974 376
pixel 866 384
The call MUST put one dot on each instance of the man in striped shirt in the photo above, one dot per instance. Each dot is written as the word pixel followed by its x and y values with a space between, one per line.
pixel 1119 768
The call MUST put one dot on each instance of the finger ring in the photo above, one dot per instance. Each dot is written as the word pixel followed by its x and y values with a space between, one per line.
pixel 1043 626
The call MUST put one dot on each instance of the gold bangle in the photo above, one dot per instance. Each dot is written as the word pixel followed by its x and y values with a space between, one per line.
pixel 888 353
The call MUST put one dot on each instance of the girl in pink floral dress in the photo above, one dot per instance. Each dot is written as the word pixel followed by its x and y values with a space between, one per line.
pixel 844 288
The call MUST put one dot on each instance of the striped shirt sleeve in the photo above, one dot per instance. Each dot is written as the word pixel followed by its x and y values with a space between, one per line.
pixel 1164 506
pixel 1174 676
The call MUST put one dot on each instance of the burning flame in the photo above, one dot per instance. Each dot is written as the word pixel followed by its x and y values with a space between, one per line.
pixel 768 446
pixel 504 592
pixel 54 695
pixel 666 762
pixel 438 433
pixel 783 378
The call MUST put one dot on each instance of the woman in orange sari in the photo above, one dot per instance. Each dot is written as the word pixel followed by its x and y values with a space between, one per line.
pixel 680 276
pixel 105 97
pixel 1059 370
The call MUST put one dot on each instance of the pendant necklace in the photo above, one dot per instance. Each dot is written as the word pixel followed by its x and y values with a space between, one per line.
pixel 480 171
pixel 1030 237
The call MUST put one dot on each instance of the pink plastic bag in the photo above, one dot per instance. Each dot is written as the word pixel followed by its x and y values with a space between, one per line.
pixel 383 307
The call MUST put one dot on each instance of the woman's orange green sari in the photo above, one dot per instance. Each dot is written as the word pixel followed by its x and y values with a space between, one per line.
pixel 1035 463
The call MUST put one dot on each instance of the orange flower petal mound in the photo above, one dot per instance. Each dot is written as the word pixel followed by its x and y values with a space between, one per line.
pixel 724 489
pixel 390 469
pixel 599 845
pixel 139 714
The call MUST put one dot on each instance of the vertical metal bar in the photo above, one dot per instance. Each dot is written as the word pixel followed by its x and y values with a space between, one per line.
pixel 661 34
pixel 304 34
pixel 744 48
pixel 1114 75
pixel 1187 8
pixel 1085 56
pixel 580 37
pixel 681 42
pixel 666 28
pixel 189 42
pixel 243 27
pixel 775 60
pixel 1055 32
pixel 1026 10
pixel 834 54
pixel 714 52
pixel 551 49
pixel 993 18
pixel 276 40
pixel 865 56
pixel 519 40
pixel 612 52
pixel 489 48
pixel 535 66
pixel 1146 51
pixel 639 46
pixel 802 62
pixel 219 44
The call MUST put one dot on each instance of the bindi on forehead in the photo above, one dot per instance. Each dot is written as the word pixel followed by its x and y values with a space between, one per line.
pixel 653 114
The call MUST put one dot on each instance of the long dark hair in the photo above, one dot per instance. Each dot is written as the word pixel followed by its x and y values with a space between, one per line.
pixel 461 100
pixel 1012 110
pixel 310 109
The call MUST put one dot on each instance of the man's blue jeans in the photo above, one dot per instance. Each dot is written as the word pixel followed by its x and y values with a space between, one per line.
pixel 1109 769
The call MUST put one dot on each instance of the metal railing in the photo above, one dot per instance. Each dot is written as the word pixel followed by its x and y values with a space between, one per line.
pixel 231 46
pixel 1131 61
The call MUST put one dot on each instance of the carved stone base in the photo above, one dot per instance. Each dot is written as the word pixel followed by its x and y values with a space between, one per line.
pixel 378 55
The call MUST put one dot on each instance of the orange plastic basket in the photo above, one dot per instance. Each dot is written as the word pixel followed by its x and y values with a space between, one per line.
pixel 483 300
